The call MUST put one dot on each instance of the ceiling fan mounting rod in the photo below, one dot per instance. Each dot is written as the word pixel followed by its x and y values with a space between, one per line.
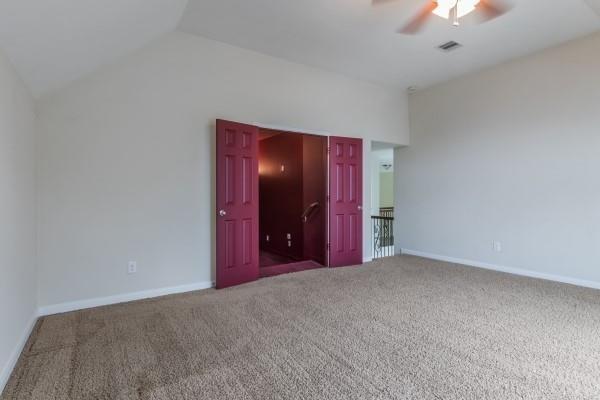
pixel 455 21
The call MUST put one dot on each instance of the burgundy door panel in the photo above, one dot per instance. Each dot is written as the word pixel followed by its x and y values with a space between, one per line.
pixel 237 203
pixel 345 205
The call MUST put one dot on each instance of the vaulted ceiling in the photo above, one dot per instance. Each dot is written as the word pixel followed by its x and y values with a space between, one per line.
pixel 53 42
pixel 357 39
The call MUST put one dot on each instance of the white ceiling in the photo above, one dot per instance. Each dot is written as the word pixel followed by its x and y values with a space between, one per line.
pixel 53 42
pixel 359 40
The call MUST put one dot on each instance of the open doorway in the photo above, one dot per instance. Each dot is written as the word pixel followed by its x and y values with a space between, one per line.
pixel 292 202
pixel 382 199
pixel 313 220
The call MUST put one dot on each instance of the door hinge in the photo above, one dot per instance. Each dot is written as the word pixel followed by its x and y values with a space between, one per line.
pixel 328 246
pixel 328 150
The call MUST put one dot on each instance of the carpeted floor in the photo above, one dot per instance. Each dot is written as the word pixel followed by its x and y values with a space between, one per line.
pixel 400 328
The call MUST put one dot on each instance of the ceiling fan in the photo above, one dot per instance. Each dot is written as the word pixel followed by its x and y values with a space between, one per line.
pixel 452 10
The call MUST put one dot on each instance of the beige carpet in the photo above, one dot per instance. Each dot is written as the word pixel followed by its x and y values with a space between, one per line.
pixel 404 328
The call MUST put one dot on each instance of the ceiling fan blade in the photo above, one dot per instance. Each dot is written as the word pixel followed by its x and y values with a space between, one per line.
pixel 417 23
pixel 492 8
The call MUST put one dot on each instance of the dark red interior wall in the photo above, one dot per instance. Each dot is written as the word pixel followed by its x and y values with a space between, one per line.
pixel 285 194
pixel 314 160
pixel 281 201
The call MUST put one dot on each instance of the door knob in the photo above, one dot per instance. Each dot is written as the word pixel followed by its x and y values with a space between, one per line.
pixel 222 213
pixel 359 208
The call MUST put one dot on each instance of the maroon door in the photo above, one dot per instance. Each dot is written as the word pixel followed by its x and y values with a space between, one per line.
pixel 237 203
pixel 345 203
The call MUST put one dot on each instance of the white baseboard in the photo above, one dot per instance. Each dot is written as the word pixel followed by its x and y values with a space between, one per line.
pixel 367 259
pixel 14 357
pixel 120 298
pixel 510 270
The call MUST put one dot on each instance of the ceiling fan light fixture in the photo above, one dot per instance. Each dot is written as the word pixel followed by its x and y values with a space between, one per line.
pixel 444 7
pixel 452 10
pixel 463 7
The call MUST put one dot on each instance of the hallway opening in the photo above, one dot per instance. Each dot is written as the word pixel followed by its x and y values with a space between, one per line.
pixel 292 202
pixel 382 200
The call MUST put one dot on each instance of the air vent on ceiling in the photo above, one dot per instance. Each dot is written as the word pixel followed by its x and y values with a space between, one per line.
pixel 449 46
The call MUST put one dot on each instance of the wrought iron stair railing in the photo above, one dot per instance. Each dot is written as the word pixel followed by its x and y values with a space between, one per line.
pixel 383 235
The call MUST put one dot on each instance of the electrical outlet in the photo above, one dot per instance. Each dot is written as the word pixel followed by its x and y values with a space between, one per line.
pixel 132 267
pixel 289 236
pixel 289 243
pixel 497 247
pixel 268 238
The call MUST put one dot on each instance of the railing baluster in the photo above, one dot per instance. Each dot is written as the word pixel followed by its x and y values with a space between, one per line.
pixel 383 233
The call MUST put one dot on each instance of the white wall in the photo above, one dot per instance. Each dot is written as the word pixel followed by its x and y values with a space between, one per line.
pixel 126 167
pixel 18 292
pixel 386 189
pixel 509 154
pixel 383 153
pixel 375 169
